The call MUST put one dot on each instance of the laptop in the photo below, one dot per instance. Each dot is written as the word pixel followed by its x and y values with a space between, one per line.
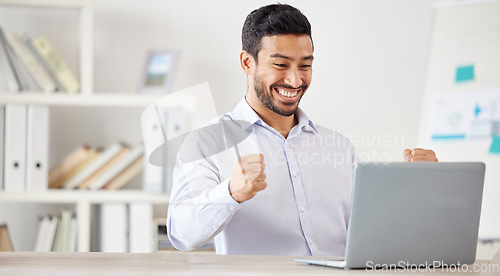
pixel 418 214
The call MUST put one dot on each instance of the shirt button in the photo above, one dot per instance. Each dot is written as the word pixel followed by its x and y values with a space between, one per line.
pixel 232 208
pixel 302 209
pixel 310 242
pixel 295 174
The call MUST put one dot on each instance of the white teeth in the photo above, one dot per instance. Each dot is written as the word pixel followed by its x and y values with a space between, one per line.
pixel 287 93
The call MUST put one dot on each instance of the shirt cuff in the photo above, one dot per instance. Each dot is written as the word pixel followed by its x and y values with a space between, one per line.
pixel 221 195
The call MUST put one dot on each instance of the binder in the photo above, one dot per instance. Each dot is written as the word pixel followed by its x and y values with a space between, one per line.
pixel 140 228
pixel 37 148
pixel 113 228
pixel 153 176
pixel 175 124
pixel 15 148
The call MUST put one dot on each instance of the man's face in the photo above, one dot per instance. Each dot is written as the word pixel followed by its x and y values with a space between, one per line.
pixel 283 72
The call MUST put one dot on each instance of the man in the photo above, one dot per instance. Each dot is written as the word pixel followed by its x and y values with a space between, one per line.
pixel 287 190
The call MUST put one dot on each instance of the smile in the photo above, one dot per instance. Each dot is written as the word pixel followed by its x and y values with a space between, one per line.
pixel 289 93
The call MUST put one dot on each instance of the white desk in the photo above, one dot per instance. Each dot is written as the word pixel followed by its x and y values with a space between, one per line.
pixel 171 263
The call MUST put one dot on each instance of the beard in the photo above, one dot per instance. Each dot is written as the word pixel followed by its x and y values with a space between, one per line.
pixel 267 98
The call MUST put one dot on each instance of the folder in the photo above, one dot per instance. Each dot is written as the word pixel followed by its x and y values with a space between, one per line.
pixel 140 228
pixel 37 145
pixel 113 227
pixel 15 148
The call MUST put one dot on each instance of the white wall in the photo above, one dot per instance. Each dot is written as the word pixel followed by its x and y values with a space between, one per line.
pixel 368 69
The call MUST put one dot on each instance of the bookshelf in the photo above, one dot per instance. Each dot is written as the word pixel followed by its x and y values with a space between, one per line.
pixel 88 100
pixel 83 201
pixel 85 37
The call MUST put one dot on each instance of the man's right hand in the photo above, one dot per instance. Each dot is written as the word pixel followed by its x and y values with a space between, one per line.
pixel 248 177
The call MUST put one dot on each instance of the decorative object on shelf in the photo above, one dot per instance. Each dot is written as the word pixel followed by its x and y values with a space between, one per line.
pixel 159 72
pixel 5 242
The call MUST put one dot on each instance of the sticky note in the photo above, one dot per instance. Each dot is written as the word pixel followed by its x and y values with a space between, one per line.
pixel 465 73
pixel 495 145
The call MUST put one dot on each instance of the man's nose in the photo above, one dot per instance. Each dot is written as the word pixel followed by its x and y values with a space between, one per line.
pixel 293 78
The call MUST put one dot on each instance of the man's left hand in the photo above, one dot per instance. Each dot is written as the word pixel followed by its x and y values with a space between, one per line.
pixel 419 154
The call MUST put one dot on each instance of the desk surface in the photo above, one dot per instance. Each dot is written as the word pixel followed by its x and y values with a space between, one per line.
pixel 170 263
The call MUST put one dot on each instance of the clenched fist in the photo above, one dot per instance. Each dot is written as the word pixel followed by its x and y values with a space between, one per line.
pixel 419 154
pixel 248 177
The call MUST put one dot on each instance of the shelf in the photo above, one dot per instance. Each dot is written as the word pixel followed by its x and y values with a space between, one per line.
pixel 93 100
pixel 92 197
pixel 46 3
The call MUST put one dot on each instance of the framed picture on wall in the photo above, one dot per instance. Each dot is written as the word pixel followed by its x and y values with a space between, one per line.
pixel 159 72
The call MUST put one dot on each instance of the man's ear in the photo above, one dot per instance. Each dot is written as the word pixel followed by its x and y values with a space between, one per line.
pixel 247 63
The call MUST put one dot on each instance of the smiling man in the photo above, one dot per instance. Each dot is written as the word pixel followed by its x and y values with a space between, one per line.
pixel 289 190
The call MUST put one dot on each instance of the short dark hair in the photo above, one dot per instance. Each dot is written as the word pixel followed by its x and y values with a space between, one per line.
pixel 275 19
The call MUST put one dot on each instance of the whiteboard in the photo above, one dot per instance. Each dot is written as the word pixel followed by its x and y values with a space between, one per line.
pixel 463 71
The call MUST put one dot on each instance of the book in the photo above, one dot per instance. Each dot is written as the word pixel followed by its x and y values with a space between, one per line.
pixel 73 242
pixel 7 65
pixel 119 156
pixel 42 233
pixel 34 68
pixel 29 44
pixel 56 64
pixel 51 234
pixel 91 157
pixel 93 167
pixel 62 239
pixel 2 143
pixel 26 82
pixel 72 160
pixel 126 175
pixel 117 168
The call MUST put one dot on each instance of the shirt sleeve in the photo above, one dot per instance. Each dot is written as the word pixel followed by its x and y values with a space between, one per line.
pixel 200 205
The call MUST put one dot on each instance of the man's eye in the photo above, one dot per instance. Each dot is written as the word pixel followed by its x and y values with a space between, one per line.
pixel 305 66
pixel 280 64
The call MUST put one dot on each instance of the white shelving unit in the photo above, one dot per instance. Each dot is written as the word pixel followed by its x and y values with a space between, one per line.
pixel 84 200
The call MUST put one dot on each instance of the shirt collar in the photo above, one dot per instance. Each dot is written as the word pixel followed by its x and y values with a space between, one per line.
pixel 243 111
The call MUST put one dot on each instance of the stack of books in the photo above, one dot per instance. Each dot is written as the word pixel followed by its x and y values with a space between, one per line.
pixel 56 233
pixel 33 65
pixel 97 168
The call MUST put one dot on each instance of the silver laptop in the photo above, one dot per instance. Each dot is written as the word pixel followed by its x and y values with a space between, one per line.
pixel 413 214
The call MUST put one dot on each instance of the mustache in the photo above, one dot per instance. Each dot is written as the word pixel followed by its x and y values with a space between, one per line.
pixel 283 85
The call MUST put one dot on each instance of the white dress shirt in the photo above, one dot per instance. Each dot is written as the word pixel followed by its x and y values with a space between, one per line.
pixel 304 209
